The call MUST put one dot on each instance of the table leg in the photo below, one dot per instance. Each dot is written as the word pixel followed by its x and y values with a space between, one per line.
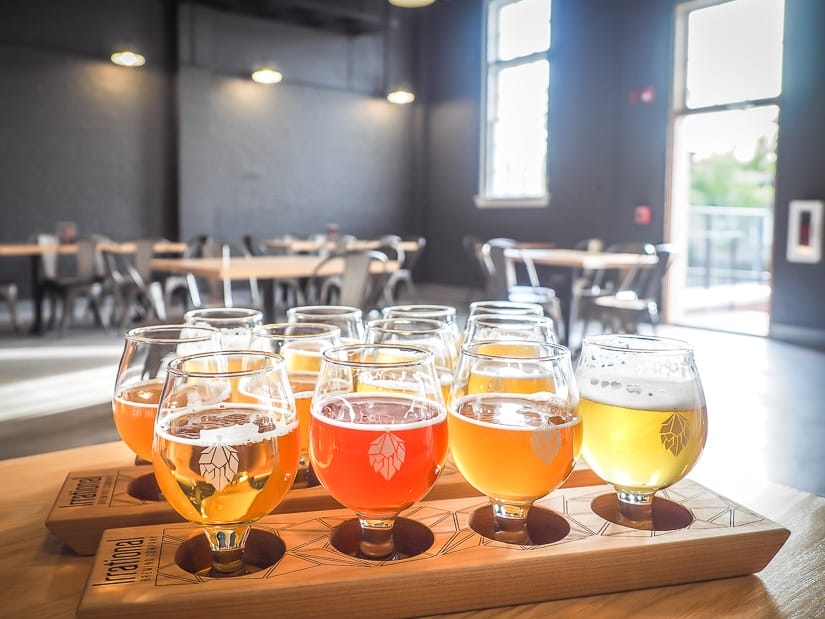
pixel 37 297
pixel 269 299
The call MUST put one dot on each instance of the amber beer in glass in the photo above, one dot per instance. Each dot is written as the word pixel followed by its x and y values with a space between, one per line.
pixel 141 373
pixel 378 452
pixel 514 439
pixel 220 462
pixel 643 413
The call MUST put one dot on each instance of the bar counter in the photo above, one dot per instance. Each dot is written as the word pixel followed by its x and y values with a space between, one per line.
pixel 42 578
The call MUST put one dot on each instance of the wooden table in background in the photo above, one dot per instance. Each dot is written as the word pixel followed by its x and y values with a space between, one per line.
pixel 43 579
pixel 266 269
pixel 578 260
pixel 35 250
pixel 305 246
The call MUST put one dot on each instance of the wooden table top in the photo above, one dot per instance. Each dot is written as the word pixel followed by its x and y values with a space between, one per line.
pixel 263 267
pixel 35 249
pixel 308 245
pixel 44 579
pixel 580 258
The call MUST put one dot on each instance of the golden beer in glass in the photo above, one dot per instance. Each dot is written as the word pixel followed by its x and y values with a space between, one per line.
pixel 220 461
pixel 514 432
pixel 644 416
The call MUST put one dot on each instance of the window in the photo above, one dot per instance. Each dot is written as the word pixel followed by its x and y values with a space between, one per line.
pixel 515 100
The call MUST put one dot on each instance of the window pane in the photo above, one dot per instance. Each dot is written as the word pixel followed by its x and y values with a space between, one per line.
pixel 523 28
pixel 734 52
pixel 517 145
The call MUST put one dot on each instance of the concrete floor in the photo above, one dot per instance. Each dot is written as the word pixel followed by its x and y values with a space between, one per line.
pixel 764 397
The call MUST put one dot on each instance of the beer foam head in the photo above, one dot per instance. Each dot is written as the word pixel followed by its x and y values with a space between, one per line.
pixel 655 393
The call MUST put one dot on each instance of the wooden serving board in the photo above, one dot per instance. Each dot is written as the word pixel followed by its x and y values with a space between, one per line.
pixel 89 502
pixel 145 571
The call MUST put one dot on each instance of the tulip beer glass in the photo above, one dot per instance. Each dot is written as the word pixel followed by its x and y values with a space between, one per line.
pixel 348 319
pixel 301 345
pixel 514 435
pixel 235 324
pixel 220 462
pixel 378 451
pixel 643 416
pixel 433 335
pixel 141 373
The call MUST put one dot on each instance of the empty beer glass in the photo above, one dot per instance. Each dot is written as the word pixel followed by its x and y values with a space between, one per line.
pixel 643 416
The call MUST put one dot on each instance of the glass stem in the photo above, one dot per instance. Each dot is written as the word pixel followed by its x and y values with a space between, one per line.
pixel 376 537
pixel 636 507
pixel 227 544
pixel 511 522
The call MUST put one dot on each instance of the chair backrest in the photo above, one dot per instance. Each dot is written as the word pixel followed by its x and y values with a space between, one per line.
pixel 358 286
pixel 623 279
pixel 411 256
pixel 48 259
pixel 501 274
pixel 391 246
pixel 88 264
pixel 223 290
pixel 652 285
pixel 142 268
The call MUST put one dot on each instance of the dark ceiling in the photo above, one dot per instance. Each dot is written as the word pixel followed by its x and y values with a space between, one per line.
pixel 352 17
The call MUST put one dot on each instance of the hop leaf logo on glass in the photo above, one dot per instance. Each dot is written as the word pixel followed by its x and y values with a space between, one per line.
pixel 219 465
pixel 545 444
pixel 387 453
pixel 675 433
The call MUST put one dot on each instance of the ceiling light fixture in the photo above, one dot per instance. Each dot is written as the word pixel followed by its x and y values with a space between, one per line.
pixel 411 4
pixel 401 96
pixel 128 58
pixel 267 75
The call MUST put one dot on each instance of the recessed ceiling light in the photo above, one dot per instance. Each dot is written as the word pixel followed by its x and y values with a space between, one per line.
pixel 128 58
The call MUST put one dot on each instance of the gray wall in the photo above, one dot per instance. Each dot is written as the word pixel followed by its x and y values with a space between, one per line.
pixel 320 147
pixel 188 144
pixel 81 139
pixel 607 156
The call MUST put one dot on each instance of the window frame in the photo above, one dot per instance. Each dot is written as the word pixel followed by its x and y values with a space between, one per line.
pixel 489 67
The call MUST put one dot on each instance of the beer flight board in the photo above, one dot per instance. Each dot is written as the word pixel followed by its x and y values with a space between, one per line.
pixel 453 566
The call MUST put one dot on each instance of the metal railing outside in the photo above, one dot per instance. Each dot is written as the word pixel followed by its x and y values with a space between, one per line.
pixel 729 245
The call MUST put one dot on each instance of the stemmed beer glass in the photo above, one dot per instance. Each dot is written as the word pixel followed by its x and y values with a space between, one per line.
pixel 141 373
pixel 235 324
pixel 349 320
pixel 224 456
pixel 432 335
pixel 378 435
pixel 301 345
pixel 514 432
pixel 643 415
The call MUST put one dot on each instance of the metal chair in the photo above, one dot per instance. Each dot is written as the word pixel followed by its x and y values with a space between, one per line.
pixel 289 291
pixel 503 281
pixel 223 292
pixel 403 275
pixel 187 284
pixel 85 282
pixel 637 299
pixel 8 291
pixel 357 286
